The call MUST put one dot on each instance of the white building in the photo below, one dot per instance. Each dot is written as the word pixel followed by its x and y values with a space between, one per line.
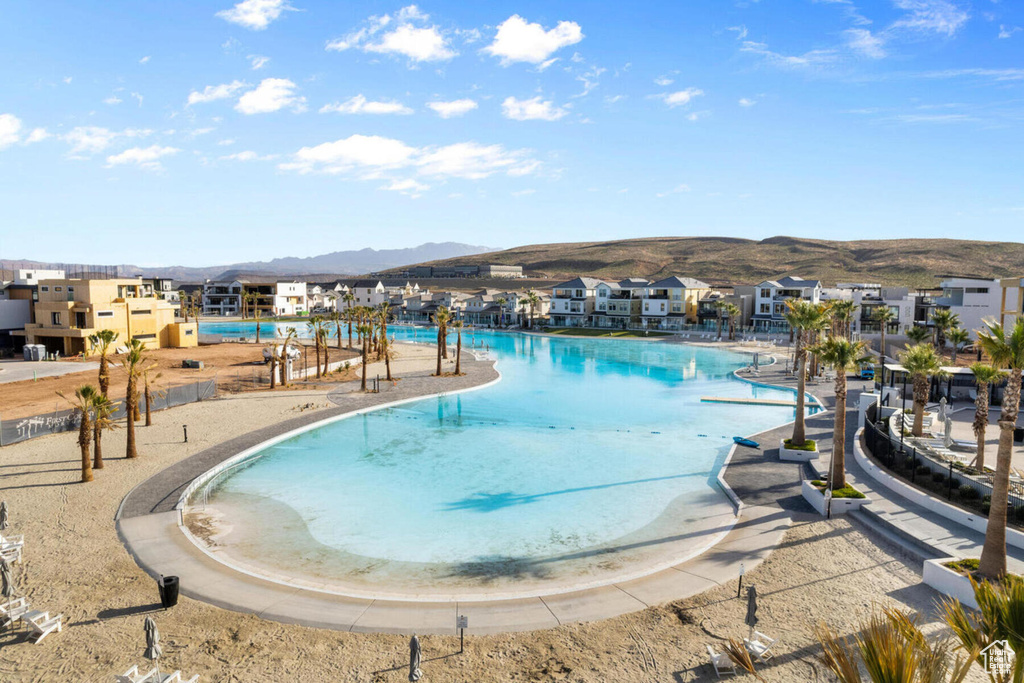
pixel 223 297
pixel 290 298
pixel 32 276
pixel 972 299
pixel 617 304
pixel 770 299
pixel 572 302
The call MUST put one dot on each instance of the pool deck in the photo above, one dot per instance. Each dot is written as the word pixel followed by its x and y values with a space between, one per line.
pixel 149 527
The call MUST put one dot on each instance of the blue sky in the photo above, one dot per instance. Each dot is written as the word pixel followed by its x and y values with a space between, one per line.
pixel 206 132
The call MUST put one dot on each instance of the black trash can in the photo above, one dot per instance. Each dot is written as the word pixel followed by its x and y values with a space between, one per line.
pixel 168 586
pixel 1018 434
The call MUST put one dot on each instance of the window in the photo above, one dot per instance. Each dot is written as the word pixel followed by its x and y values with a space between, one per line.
pixel 977 290
pixel 662 307
pixel 58 289
pixel 45 288
pixel 578 294
pixel 765 308
pixel 141 311
pixel 765 293
pixel 104 314
pixel 55 318
pixel 188 333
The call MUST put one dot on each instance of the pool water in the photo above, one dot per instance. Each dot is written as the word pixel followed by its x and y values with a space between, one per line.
pixel 588 457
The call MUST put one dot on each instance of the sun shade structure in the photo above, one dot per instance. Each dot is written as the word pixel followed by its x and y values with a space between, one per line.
pixel 415 657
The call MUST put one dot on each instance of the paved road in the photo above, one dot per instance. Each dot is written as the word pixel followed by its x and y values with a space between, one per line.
pixel 20 370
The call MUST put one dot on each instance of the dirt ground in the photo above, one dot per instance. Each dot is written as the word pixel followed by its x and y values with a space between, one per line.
pixel 226 362
pixel 76 565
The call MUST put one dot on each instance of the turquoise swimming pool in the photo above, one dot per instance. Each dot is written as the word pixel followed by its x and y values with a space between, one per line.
pixel 588 459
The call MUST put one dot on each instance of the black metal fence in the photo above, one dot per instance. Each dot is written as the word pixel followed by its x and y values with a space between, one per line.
pixel 23 429
pixel 943 479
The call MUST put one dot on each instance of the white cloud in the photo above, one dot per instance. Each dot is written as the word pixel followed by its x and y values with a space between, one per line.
pixel 360 105
pixel 741 31
pixel 409 187
pixel 10 130
pixel 272 94
pixel 37 135
pixel 113 99
pixel 680 98
pixel 226 141
pixel 533 109
pixel 1007 31
pixel 675 190
pixel 138 97
pixel 258 61
pixel 216 92
pixel 612 99
pixel 248 155
pixel 520 41
pixel 418 43
pixel 931 16
pixel 811 58
pixel 144 157
pixel 523 193
pixel 195 132
pixel 865 42
pixel 255 14
pixel 144 60
pixel 86 140
pixel 664 81
pixel 744 102
pixel 368 157
pixel 447 110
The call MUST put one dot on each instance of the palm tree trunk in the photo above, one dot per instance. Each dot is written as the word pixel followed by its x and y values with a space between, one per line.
pixel 136 413
pixel 458 353
pixel 837 477
pixel 443 337
pixel 131 396
pixel 980 425
pixel 364 368
pixel 273 371
pixel 149 412
pixel 920 400
pixel 881 344
pixel 97 457
pixel 317 343
pixel 350 333
pixel 439 344
pixel 993 553
pixel 104 373
pixel 257 327
pixel 799 430
pixel 84 439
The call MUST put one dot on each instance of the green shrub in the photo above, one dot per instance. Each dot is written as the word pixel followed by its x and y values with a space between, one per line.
pixel 847 492
pixel 939 477
pixel 818 482
pixel 809 445
pixel 924 470
pixel 968 492
pixel 965 566
pixel 985 507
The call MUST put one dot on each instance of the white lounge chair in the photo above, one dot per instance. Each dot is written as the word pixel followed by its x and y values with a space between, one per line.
pixel 13 611
pixel 132 675
pixel 721 662
pixel 760 646
pixel 11 553
pixel 42 625
pixel 16 540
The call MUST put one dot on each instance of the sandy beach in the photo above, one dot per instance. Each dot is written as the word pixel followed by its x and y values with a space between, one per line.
pixel 75 565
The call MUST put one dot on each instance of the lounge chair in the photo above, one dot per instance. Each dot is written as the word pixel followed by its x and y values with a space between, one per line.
pixel 132 675
pixel 721 662
pixel 16 540
pixel 11 553
pixel 13 611
pixel 760 646
pixel 42 625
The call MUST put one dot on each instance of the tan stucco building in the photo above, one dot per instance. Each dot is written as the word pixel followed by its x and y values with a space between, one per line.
pixel 68 311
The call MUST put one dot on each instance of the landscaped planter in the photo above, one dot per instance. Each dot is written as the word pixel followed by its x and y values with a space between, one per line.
pixel 816 497
pixel 948 582
pixel 791 455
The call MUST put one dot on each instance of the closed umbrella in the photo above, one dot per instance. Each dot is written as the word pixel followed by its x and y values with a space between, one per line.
pixel 153 650
pixel 947 434
pixel 6 582
pixel 3 515
pixel 751 619
pixel 415 655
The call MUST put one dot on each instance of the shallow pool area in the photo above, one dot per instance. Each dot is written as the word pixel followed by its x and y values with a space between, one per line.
pixel 591 461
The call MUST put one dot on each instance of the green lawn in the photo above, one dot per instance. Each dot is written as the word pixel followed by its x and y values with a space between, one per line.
pixel 588 332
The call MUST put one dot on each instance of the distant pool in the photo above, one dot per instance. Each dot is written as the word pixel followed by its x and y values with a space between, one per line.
pixel 590 460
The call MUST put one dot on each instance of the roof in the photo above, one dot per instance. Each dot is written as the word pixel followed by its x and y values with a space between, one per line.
pixel 367 283
pixel 788 281
pixel 633 283
pixel 584 282
pixel 679 282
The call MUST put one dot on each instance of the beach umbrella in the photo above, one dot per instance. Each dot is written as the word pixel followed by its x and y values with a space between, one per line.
pixel 153 650
pixel 415 655
pixel 3 515
pixel 947 434
pixel 942 409
pixel 751 619
pixel 6 582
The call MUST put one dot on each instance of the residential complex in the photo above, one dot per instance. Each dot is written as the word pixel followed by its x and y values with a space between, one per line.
pixel 239 297
pixel 770 297
pixel 667 304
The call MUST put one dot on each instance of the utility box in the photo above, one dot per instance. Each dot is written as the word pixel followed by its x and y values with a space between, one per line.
pixel 192 364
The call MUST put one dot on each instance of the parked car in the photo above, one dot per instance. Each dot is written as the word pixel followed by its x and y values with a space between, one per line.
pixel 867 372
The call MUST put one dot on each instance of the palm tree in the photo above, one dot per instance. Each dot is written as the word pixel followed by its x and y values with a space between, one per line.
pixel 892 648
pixel 147 378
pixel 920 362
pixel 958 336
pixel 256 314
pixel 131 362
pixel 336 319
pixel 365 331
pixel 733 311
pixel 842 355
pixel 273 366
pixel 943 320
pixel 349 317
pixel 457 325
pixel 719 314
pixel 533 300
pixel 1000 617
pixel 324 338
pixel 501 301
pixel 883 315
pixel 103 411
pixel 984 376
pixel 1006 349
pixel 290 334
pixel 85 397
pixel 101 341
pixel 803 317
pixel 315 325
pixel 441 317
pixel 918 334
pixel 182 304
pixel 383 313
pixel 842 317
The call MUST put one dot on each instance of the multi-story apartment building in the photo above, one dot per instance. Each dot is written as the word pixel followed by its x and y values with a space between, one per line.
pixel 972 299
pixel 572 302
pixel 770 299
pixel 617 304
pixel 239 297
pixel 672 302
pixel 70 310
pixel 223 297
pixel 709 307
